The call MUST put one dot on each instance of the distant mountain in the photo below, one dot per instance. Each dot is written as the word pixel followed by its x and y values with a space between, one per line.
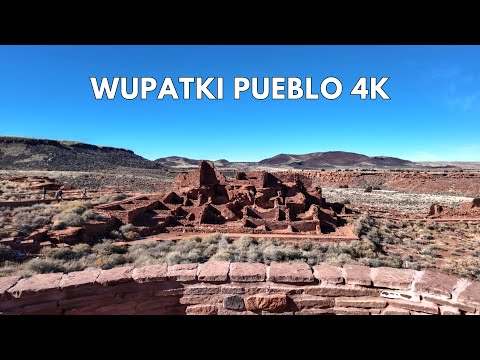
pixel 39 154
pixel 318 160
pixel 312 161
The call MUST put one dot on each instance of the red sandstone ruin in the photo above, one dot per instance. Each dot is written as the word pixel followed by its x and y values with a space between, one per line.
pixel 205 201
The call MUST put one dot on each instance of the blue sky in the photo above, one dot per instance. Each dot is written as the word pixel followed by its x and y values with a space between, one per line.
pixel 433 114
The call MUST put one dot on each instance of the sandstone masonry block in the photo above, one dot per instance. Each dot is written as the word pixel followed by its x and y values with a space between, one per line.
pixel 290 273
pixel 449 310
pixel 361 302
pixel 115 276
pixel 391 310
pixel 79 278
pixel 6 283
pixel 328 274
pixel 35 284
pixel 232 289
pixel 471 294
pixel 340 290
pixel 202 289
pixel 451 303
pixel 247 272
pixel 183 272
pixel 392 278
pixel 315 311
pixel 309 301
pixel 150 273
pixel 200 299
pixel 233 312
pixel 436 284
pixel 423 306
pixel 418 313
pixel 213 271
pixel 201 310
pixel 274 303
pixel 357 275
pixel 350 311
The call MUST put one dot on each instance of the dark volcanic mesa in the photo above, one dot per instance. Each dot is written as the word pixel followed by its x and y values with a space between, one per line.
pixel 312 161
pixel 39 154
pixel 332 158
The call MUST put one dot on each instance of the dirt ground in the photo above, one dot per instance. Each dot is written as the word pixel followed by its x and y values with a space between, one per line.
pixel 404 202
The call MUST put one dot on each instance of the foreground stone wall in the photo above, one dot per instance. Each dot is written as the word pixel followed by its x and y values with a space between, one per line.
pixel 241 288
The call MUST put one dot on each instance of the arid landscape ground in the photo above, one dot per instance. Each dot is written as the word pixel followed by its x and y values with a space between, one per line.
pixel 402 217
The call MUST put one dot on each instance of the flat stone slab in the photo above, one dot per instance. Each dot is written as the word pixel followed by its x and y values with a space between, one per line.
pixel 350 311
pixel 290 273
pixel 436 284
pixel 115 276
pixel 35 284
pixel 361 302
pixel 471 294
pixel 183 272
pixel 150 273
pixel 340 290
pixel 7 282
pixel 213 271
pixel 247 272
pixel 310 301
pixel 449 310
pixel 392 310
pixel 328 274
pixel 78 278
pixel 201 310
pixel 423 306
pixel 392 278
pixel 357 275
pixel 202 289
pixel 315 311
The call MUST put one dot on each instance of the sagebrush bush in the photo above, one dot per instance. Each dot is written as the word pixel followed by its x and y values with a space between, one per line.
pixel 127 228
pixel 131 235
pixel 42 266
pixel 67 219
pixel 108 198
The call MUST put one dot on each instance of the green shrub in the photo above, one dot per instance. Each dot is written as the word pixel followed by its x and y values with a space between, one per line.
pixel 91 215
pixel 369 189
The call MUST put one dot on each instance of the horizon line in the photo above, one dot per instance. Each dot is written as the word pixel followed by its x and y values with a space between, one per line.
pixel 241 161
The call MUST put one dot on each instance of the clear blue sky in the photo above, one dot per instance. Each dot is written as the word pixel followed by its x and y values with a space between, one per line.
pixel 433 113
